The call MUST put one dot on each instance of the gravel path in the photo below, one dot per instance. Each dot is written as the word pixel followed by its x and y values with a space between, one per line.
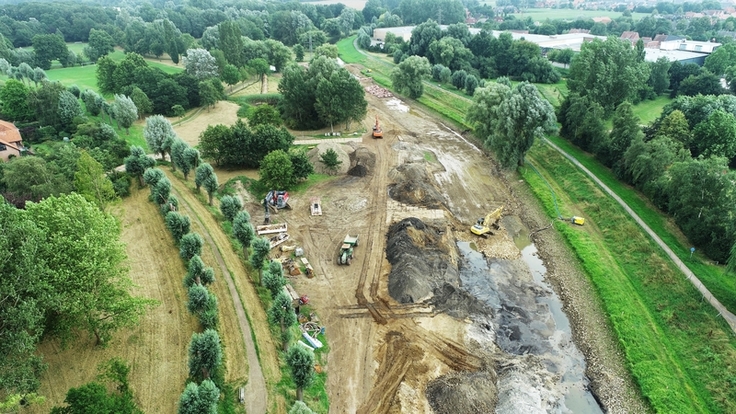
pixel 728 316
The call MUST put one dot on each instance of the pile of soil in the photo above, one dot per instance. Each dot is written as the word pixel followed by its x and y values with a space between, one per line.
pixel 362 162
pixel 421 260
pixel 463 392
pixel 413 184
pixel 342 156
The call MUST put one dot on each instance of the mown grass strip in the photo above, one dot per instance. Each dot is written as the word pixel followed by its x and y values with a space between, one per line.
pixel 723 287
pixel 678 350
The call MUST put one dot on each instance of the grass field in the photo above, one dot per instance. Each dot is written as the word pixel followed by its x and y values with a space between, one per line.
pixel 648 111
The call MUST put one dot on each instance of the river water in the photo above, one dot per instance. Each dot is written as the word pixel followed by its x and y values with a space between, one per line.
pixel 544 372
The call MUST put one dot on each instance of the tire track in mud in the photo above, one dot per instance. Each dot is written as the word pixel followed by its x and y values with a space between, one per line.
pixel 255 388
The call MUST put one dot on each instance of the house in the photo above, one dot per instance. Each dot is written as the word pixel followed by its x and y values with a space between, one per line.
pixel 632 37
pixel 11 144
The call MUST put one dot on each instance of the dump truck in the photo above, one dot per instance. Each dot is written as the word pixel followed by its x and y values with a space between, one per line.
pixel 377 131
pixel 345 257
pixel 485 225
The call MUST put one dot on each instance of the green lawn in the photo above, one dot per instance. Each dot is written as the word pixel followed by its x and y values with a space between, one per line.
pixel 648 111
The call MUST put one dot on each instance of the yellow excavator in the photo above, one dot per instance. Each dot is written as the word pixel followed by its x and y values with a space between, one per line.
pixel 377 131
pixel 485 225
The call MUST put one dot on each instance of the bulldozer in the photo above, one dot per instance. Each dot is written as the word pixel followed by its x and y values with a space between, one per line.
pixel 485 225
pixel 377 131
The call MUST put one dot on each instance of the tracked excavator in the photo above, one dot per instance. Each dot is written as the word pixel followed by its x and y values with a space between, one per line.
pixel 486 225
pixel 377 131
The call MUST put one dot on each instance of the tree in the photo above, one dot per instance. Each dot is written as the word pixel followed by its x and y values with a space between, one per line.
pixel 230 206
pixel 264 114
pixel 659 77
pixel 301 364
pixel 208 95
pixel 209 183
pixel 230 75
pixel 92 183
pixel 190 159
pixel 200 64
pixel 243 230
pixel 156 131
pixel 597 72
pixel 22 308
pixel 214 142
pixel 89 281
pixel 231 42
pixel 423 35
pixel 509 120
pixel 261 67
pixel 94 397
pixel 625 129
pixel 458 79
pixel 92 101
pixel 69 108
pixel 205 354
pixel 14 98
pixel 340 98
pixel 48 47
pixel 273 278
pixel 197 273
pixel 298 52
pixel 199 399
pixel 408 76
pixel 178 146
pixel 450 52
pixel 471 84
pixel 261 249
pixel 137 163
pixel 141 102
pixel 716 136
pixel 178 225
pixel 721 58
pixel 300 408
pixel 100 44
pixel 277 170
pixel 190 245
pixel 202 174
pixel 282 313
pixel 705 83
pixel 330 160
pixel 302 166
pixel 125 112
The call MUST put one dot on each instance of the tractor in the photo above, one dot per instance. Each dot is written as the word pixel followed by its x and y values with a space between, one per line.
pixel 346 250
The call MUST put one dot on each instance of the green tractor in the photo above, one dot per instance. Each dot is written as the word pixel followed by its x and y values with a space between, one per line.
pixel 346 250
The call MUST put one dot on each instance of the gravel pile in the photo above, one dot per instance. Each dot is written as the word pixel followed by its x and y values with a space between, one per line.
pixel 378 91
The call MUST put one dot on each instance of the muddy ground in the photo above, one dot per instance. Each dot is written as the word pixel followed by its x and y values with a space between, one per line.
pixel 405 336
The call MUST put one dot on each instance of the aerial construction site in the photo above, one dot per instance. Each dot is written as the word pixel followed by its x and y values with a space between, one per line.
pixel 421 313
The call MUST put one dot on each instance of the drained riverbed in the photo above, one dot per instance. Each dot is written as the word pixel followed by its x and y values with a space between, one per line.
pixel 540 370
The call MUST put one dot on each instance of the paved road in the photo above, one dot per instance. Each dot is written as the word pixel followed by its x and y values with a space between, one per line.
pixel 728 316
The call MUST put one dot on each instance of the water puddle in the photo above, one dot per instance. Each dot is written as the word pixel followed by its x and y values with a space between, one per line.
pixel 529 322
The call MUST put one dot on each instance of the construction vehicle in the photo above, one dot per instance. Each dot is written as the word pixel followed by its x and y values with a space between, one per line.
pixel 316 206
pixel 486 225
pixel 346 250
pixel 377 131
pixel 277 200
pixel 577 220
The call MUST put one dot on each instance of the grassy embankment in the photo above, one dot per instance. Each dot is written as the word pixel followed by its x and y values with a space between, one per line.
pixel 677 348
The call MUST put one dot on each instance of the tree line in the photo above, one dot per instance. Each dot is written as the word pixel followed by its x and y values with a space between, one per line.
pixel 681 161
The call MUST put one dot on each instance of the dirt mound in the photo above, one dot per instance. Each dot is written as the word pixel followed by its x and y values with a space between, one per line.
pixel 463 392
pixel 420 260
pixel 342 156
pixel 457 302
pixel 413 184
pixel 362 162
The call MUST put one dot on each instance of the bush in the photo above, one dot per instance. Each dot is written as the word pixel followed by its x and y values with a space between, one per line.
pixel 121 183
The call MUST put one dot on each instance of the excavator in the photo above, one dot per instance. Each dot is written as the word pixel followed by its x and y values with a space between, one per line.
pixel 485 225
pixel 377 131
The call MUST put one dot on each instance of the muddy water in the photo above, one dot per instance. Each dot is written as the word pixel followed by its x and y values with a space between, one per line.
pixel 542 369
